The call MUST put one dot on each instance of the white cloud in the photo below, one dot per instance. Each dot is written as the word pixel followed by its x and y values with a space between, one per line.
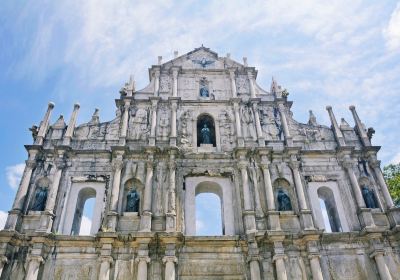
pixel 392 31
pixel 3 219
pixel 86 224
pixel 14 174
pixel 396 159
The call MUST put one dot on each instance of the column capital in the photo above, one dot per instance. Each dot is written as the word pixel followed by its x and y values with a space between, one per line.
pixel 60 163
pixel 348 163
pixel 143 259
pixel 172 165
pixel 313 256
pixel 294 165
pixel 279 257
pixel 175 72
pixel 264 165
pixel 242 164
pixel 379 252
pixel 374 163
pixel 170 259
pixel 38 259
pixel 117 164
pixel 30 163
pixel 251 258
pixel 108 259
pixel 3 259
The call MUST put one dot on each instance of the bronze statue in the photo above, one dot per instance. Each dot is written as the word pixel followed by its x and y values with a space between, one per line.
pixel 40 199
pixel 284 203
pixel 132 201
pixel 205 135
pixel 369 197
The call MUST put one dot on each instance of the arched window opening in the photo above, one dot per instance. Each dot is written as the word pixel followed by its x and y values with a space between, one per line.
pixel 82 223
pixel 328 210
pixel 205 131
pixel 209 215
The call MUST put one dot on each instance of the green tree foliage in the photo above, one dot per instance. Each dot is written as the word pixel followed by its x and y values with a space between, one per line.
pixel 392 177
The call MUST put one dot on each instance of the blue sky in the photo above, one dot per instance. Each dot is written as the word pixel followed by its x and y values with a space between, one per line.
pixel 341 53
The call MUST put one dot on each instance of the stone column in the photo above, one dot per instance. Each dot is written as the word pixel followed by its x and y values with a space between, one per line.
pixel 71 125
pixel 3 261
pixel 384 272
pixel 254 264
pixel 142 267
pixel 375 164
pixel 233 82
pixel 315 267
pixel 154 102
pixel 169 262
pixel 124 125
pixel 285 126
pixel 117 165
pixel 174 107
pixel 44 125
pixel 260 137
pixel 171 214
pixel 105 265
pixel 238 123
pixel 360 128
pixel 338 133
pixel 175 82
pixel 251 83
pixel 145 222
pixel 250 222
pixel 156 82
pixel 299 185
pixel 349 165
pixel 273 215
pixel 280 267
pixel 33 267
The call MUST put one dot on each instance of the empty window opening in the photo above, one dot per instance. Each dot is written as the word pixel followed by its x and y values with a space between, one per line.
pixel 205 131
pixel 209 215
pixel 82 223
pixel 328 210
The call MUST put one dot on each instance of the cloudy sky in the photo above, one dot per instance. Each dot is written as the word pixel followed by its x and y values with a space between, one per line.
pixel 341 53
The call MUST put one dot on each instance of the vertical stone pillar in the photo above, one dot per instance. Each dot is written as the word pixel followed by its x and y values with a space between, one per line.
pixel 142 267
pixel 315 267
pixel 299 185
pixel 169 262
pixel 338 133
pixel 383 270
pixel 105 266
pixel 71 125
pixel 44 125
pixel 171 213
pixel 174 107
pixel 349 165
pixel 288 137
pixel 375 164
pixel 145 222
pixel 249 215
pixel 260 137
pixel 360 128
pixel 152 138
pixel 156 82
pixel 33 267
pixel 250 76
pixel 254 264
pixel 124 124
pixel 233 82
pixel 238 123
pixel 3 261
pixel 175 82
pixel 279 259
pixel 117 165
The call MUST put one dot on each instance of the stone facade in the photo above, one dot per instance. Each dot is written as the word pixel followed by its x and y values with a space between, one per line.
pixel 299 201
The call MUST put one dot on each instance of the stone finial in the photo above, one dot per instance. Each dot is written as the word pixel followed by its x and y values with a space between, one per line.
pixel 60 123
pixel 175 54
pixel 245 61
pixel 159 60
pixel 312 120
pixel 51 105
pixel 228 55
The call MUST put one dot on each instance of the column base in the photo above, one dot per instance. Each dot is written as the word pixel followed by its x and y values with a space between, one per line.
pixel 12 219
pixel 172 141
pixel 261 142
pixel 366 219
pixel 122 141
pixel 273 220
pixel 249 221
pixel 145 221
pixel 112 218
pixel 152 141
pixel 306 220
pixel 170 222
pixel 240 142
pixel 46 222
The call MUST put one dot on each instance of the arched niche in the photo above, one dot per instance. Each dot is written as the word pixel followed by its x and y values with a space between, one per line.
pixel 369 193
pixel 40 194
pixel 206 130
pixel 283 192
pixel 328 210
pixel 222 187
pixel 130 186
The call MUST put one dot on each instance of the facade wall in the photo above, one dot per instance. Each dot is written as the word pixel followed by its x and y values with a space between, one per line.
pixel 254 156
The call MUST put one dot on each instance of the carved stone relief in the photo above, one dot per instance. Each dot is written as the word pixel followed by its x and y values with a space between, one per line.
pixel 226 129
pixel 163 124
pixel 271 123
pixel 165 84
pixel 249 131
pixel 139 123
pixel 161 183
pixel 185 131
pixel 242 85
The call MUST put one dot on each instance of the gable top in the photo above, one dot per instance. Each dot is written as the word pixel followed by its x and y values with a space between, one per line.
pixel 200 58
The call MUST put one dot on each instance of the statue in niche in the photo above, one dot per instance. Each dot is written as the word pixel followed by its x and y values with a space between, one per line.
pixel 248 120
pixel 164 124
pixel 204 92
pixel 40 198
pixel 205 135
pixel 132 201
pixel 369 197
pixel 284 203
pixel 185 128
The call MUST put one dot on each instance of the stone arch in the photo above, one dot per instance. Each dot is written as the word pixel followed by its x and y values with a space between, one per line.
pixel 282 185
pixel 329 210
pixel 220 186
pixel 202 121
